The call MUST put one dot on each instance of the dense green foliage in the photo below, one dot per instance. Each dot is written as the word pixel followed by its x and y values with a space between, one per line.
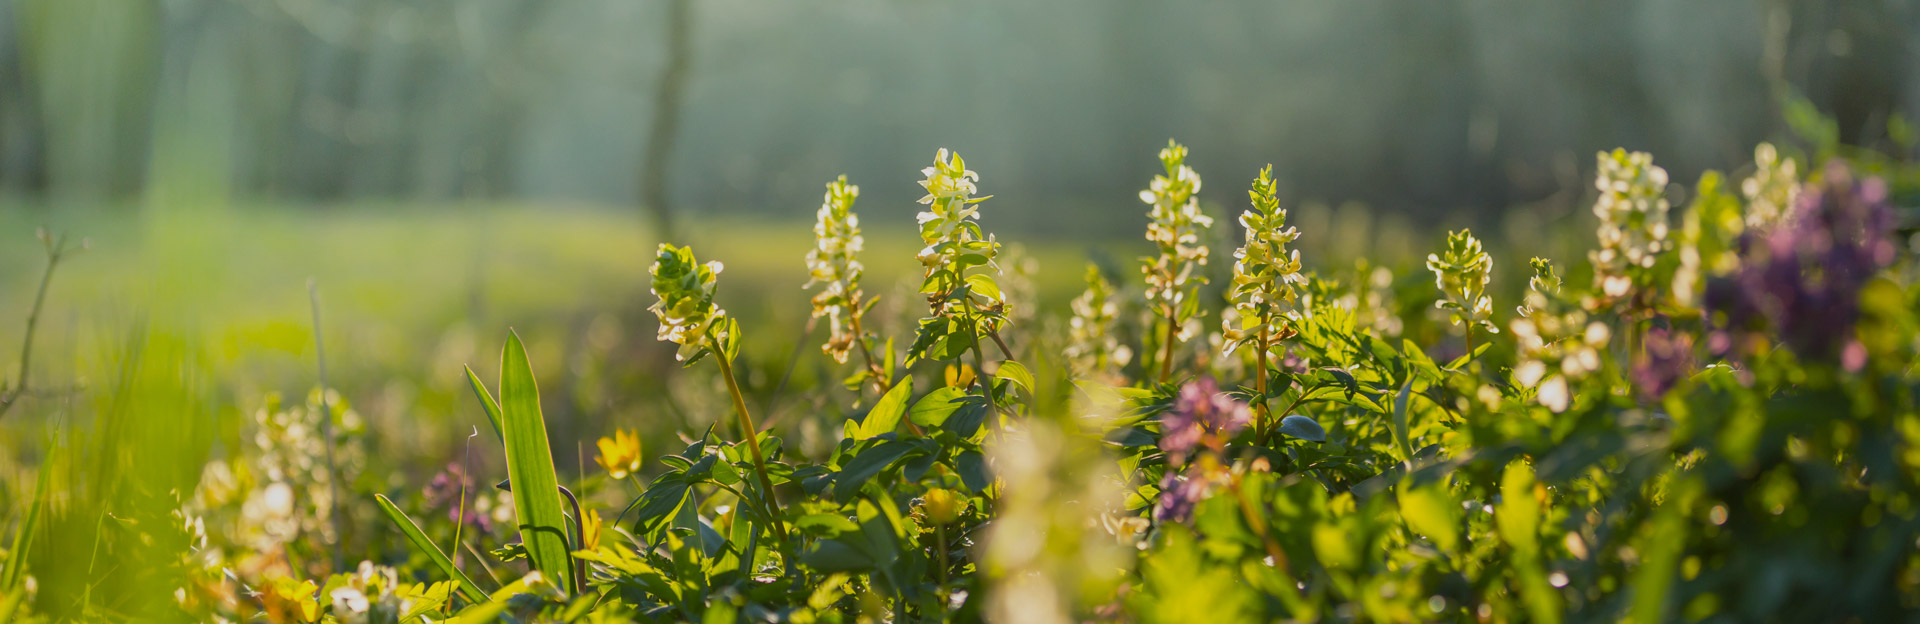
pixel 1718 419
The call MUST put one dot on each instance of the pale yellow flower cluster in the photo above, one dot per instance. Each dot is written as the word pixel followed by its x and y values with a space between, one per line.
pixel 1558 343
pixel 1175 228
pixel 1633 220
pixel 834 263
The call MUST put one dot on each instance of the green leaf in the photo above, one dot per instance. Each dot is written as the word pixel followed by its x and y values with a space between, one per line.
pixel 972 467
pixel 886 412
pixel 1017 373
pixel 864 466
pixel 468 589
pixel 832 555
pixel 983 284
pixel 1401 438
pixel 486 401
pixel 934 408
pixel 536 490
pixel 1430 511
pixel 1303 427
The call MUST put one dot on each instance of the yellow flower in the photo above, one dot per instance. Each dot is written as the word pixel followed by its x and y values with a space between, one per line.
pixel 620 454
pixel 942 505
pixel 287 601
pixel 590 529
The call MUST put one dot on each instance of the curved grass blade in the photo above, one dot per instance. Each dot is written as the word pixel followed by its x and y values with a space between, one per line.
pixel 468 589
pixel 536 489
pixel 486 401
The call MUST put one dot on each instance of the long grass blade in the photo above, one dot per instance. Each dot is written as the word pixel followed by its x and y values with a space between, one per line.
pixel 23 536
pixel 536 489
pixel 486 401
pixel 467 588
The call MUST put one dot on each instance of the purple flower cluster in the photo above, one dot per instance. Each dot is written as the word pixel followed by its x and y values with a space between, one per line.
pixel 1202 418
pixel 444 491
pixel 1802 280
pixel 1200 415
pixel 1666 357
pixel 1178 497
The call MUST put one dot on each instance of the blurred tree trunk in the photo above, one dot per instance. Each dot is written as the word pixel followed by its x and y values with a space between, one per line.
pixel 668 96
pixel 22 155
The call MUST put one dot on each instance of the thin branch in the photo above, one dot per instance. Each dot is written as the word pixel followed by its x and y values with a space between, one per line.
pixel 56 246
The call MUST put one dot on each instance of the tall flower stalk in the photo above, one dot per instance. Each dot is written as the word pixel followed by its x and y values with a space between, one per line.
pixel 1092 348
pixel 690 318
pixel 1264 275
pixel 1173 276
pixel 1462 273
pixel 963 296
pixel 834 265
pixel 1633 223
pixel 1557 343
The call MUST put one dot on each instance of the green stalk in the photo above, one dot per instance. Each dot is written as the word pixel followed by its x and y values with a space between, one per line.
pixel 747 430
pixel 1263 414
pixel 1166 354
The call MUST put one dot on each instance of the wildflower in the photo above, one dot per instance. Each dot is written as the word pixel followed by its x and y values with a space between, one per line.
pixel 1462 274
pixel 1803 280
pixel 1264 271
pixel 1179 495
pixel 1772 190
pixel 834 263
pixel 941 505
pixel 685 308
pixel 1557 342
pixel 620 454
pixel 1173 277
pixel 591 526
pixel 955 247
pixel 1665 358
pixel 1201 416
pixel 445 490
pixel 287 601
pixel 371 593
pixel 1633 221
pixel 1092 348
pixel 949 226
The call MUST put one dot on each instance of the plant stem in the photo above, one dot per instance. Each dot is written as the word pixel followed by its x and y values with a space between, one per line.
pixel 980 362
pixel 940 534
pixel 1166 353
pixel 1263 415
pixel 579 541
pixel 326 426
pixel 768 502
pixel 56 247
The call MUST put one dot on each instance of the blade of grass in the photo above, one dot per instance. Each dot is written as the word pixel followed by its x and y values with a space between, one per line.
pixel 467 588
pixel 486 401
pixel 326 427
pixel 23 536
pixel 536 489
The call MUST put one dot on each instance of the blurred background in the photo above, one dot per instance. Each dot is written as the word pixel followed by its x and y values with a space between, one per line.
pixel 443 170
